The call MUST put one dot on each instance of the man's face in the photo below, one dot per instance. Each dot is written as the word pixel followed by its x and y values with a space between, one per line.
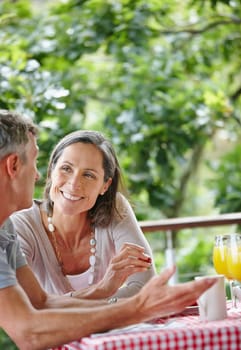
pixel 28 174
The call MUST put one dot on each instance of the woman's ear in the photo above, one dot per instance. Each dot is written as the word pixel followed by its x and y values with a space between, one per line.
pixel 12 165
pixel 106 185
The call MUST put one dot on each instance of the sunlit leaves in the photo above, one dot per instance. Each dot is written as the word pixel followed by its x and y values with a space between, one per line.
pixel 226 183
pixel 162 76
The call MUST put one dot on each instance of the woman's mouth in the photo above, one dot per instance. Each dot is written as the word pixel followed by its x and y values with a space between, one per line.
pixel 66 195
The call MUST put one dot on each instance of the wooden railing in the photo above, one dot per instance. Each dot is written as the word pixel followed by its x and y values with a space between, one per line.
pixel 176 224
pixel 169 226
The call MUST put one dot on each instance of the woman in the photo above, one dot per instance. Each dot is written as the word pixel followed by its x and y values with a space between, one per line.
pixel 83 237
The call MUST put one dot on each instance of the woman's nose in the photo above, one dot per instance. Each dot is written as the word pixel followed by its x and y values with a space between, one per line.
pixel 75 182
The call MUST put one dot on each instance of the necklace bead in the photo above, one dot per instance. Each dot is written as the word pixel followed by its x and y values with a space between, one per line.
pixel 51 227
pixel 92 241
pixel 92 258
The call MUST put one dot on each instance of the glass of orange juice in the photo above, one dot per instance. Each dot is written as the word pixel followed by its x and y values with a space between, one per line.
pixel 220 255
pixel 234 256
pixel 220 260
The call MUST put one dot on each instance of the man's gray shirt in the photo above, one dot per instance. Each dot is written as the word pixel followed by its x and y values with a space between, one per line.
pixel 11 256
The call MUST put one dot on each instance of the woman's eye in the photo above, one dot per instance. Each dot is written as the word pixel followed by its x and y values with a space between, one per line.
pixel 89 175
pixel 66 168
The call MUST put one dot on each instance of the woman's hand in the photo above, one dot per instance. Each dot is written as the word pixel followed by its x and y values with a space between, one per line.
pixel 131 259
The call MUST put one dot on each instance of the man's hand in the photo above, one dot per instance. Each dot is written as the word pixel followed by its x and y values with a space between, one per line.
pixel 158 299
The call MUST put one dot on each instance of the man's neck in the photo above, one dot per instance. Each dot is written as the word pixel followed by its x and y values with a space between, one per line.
pixel 2 220
pixel 5 212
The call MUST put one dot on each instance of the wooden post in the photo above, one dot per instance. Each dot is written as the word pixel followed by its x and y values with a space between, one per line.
pixel 170 256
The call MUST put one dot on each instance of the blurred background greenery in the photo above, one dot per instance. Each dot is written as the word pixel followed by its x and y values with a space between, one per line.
pixel 161 79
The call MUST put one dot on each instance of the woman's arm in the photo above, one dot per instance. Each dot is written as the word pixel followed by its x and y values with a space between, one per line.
pixel 128 230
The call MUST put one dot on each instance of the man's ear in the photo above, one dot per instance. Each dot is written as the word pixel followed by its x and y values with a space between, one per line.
pixel 13 163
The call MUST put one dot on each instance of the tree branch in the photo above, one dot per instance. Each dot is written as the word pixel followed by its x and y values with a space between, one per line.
pixel 236 94
pixel 207 27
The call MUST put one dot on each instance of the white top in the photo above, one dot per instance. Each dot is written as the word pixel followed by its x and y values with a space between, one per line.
pixel 78 281
pixel 41 257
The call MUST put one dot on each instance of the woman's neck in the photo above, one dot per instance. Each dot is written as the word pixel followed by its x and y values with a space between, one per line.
pixel 67 225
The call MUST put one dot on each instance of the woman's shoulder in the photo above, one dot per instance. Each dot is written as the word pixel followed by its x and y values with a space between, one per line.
pixel 27 215
pixel 123 205
pixel 121 201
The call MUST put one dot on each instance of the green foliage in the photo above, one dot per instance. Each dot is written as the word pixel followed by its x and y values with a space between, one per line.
pixel 226 184
pixel 163 75
pixel 194 258
pixel 214 3
pixel 5 342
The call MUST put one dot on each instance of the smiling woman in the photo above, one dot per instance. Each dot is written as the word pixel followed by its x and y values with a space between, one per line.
pixel 78 181
pixel 83 237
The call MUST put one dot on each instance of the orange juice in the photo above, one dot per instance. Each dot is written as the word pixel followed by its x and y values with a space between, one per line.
pixel 234 262
pixel 220 260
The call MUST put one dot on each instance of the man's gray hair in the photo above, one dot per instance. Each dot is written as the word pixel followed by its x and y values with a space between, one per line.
pixel 14 132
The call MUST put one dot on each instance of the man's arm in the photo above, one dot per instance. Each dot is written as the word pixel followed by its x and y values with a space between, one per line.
pixel 33 329
pixel 41 300
pixel 35 320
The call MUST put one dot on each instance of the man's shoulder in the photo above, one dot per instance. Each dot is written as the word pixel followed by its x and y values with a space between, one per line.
pixel 7 226
pixel 7 233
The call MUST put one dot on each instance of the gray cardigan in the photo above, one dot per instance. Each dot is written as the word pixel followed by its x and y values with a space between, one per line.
pixel 41 257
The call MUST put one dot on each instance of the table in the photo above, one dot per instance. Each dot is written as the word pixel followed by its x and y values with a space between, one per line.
pixel 182 332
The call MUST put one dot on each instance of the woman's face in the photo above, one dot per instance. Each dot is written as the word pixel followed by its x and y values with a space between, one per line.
pixel 78 179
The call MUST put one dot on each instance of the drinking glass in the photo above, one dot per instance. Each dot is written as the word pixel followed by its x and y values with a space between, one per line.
pixel 234 257
pixel 220 252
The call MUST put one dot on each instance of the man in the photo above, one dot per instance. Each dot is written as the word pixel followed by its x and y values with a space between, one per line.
pixel 33 319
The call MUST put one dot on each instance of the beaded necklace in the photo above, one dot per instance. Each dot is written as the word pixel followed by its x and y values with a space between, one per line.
pixel 92 257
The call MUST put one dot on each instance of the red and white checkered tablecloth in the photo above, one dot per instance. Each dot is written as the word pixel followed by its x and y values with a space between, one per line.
pixel 185 332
